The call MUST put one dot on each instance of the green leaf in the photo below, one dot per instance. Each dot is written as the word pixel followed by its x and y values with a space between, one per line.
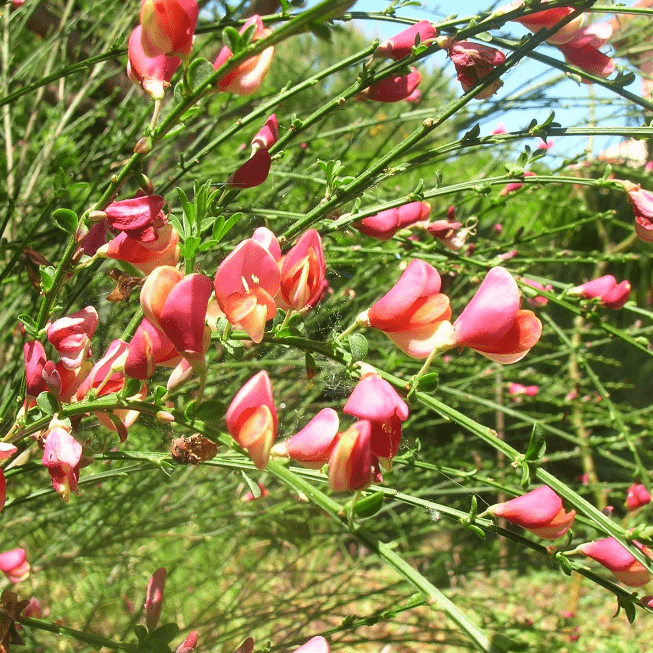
pixel 369 505
pixel 503 643
pixel 358 347
pixel 66 220
pixel 321 30
pixel 428 382
pixel 159 392
pixel 200 70
pixel 253 486
pixel 311 367
pixel 30 325
pixel 131 387
pixel 190 246
pixel 157 646
pixel 472 133
pixel 48 403
pixel 231 38
pixel 226 226
pixel 210 411
pixel 189 212
pixel 47 277
pixel 525 480
pixel 165 633
pixel 140 632
pixel 537 444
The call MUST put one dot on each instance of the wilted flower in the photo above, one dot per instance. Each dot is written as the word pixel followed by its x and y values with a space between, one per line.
pixel 249 75
pixel 252 418
pixel 540 511
pixel 473 63
pixel 606 288
pixel 613 556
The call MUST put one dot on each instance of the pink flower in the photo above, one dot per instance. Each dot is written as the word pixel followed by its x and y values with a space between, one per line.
pixel 492 323
pixel 106 377
pixel 268 135
pixel 71 336
pixel 153 74
pixel 314 645
pixel 61 456
pixel 246 283
pixel 612 294
pixel 473 63
pixel 3 489
pixel 312 446
pixel 641 201
pixel 375 400
pixel 138 217
pixel 549 18
pixel 14 565
pixel 148 348
pixel 499 129
pixel 177 305
pixel 582 50
pixel 400 45
pixel 350 464
pixel 35 374
pixel 541 512
pixel 189 644
pixel 394 88
pixel 164 250
pixel 252 418
pixel 415 97
pixel 637 496
pixel 413 314
pixel 33 609
pixel 516 185
pixel 618 560
pixel 249 75
pixel 384 225
pixel 517 390
pixel 154 598
pixel 168 27
pixel 303 272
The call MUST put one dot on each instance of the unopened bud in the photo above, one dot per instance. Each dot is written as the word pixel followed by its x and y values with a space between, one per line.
pixel 143 146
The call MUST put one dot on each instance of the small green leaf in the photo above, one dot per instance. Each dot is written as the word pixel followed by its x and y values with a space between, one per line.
pixel 226 226
pixel 358 347
pixel 311 367
pixel 66 220
pixel 190 246
pixel 321 30
pixel 369 505
pixel 165 633
pixel 525 480
pixel 428 382
pixel 211 410
pixel 159 392
pixel 157 646
pixel 47 277
pixel 140 632
pixel 484 36
pixel 231 38
pixel 131 387
pixel 48 403
pixel 252 485
pixel 200 70
pixel 537 444
pixel 630 610
pixel 472 133
pixel 30 325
